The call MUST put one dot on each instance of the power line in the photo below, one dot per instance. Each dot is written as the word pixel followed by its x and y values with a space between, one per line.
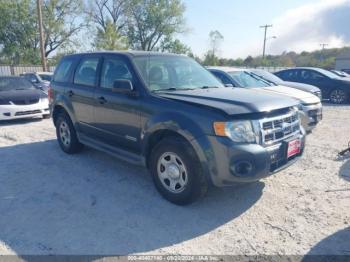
pixel 265 27
pixel 41 32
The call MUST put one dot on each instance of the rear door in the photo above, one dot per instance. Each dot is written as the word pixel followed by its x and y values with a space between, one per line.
pixel 117 115
pixel 81 92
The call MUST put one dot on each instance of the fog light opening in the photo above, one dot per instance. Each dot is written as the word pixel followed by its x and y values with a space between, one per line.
pixel 243 168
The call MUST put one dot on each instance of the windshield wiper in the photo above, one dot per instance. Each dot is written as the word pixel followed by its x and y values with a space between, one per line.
pixel 208 87
pixel 172 89
pixel 258 78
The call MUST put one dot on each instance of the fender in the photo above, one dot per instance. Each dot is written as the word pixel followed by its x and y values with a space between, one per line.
pixel 185 127
pixel 172 121
pixel 61 100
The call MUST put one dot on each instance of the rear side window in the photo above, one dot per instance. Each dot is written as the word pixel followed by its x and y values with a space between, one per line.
pixel 86 72
pixel 63 70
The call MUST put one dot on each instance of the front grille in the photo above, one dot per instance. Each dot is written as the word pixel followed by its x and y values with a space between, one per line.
pixel 278 128
pixel 24 113
pixel 25 101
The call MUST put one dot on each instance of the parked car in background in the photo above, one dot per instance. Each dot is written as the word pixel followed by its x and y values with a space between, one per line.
pixel 340 73
pixel 20 99
pixel 45 76
pixel 37 81
pixel 333 87
pixel 168 113
pixel 309 105
pixel 279 82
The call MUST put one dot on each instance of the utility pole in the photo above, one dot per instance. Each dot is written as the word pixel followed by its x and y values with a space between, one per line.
pixel 265 37
pixel 323 48
pixel 41 32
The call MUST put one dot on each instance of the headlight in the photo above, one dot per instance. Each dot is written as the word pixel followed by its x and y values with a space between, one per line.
pixel 318 94
pixel 238 131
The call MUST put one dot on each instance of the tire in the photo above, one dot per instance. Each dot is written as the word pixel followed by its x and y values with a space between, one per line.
pixel 176 172
pixel 66 135
pixel 338 96
pixel 46 116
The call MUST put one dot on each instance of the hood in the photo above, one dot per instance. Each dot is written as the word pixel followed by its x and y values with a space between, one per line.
pixel 304 87
pixel 233 101
pixel 303 97
pixel 21 95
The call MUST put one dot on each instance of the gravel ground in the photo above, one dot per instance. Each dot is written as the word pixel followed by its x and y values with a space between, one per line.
pixel 91 203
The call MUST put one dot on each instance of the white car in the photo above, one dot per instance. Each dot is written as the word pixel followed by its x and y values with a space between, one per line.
pixel 20 99
pixel 310 106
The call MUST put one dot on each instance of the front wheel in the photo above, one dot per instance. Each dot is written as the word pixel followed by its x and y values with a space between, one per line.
pixel 338 96
pixel 176 172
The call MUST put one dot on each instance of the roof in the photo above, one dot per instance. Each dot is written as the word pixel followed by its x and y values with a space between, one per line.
pixel 129 53
pixel 227 68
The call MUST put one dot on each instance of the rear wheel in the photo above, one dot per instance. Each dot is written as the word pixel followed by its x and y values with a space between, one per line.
pixel 66 135
pixel 176 172
pixel 338 96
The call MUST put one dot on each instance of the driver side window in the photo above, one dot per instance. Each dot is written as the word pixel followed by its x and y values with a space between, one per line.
pixel 310 75
pixel 114 69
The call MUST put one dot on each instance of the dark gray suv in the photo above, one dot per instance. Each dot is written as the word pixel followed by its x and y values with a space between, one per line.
pixel 168 113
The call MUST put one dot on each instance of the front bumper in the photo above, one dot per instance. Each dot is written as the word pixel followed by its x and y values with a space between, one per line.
pixel 10 112
pixel 228 163
pixel 310 116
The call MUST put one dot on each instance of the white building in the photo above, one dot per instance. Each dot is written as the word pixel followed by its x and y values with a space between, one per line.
pixel 343 61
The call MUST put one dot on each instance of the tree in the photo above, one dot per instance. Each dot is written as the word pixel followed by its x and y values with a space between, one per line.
pixel 174 46
pixel 216 39
pixel 109 38
pixel 61 23
pixel 19 31
pixel 151 21
pixel 104 12
pixel 211 57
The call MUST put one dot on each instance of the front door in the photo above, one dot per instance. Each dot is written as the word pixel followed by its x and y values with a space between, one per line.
pixel 117 115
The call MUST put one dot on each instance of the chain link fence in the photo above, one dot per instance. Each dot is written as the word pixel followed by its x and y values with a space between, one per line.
pixel 8 70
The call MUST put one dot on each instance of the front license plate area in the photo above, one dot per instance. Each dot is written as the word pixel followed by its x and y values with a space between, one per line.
pixel 294 148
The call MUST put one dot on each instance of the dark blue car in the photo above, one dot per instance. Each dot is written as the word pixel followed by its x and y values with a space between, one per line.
pixel 333 87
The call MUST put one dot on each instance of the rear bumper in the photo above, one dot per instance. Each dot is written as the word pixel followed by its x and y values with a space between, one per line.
pixel 310 116
pixel 9 112
pixel 228 163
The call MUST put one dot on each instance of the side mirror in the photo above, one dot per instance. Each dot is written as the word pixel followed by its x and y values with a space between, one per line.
pixel 122 86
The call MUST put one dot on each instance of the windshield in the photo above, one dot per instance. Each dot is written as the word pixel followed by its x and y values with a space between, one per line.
pixel 165 73
pixel 46 77
pixel 327 73
pixel 268 76
pixel 246 79
pixel 14 83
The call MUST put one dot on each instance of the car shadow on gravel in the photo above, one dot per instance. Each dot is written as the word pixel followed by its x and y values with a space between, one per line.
pixel 93 204
pixel 16 122
pixel 333 248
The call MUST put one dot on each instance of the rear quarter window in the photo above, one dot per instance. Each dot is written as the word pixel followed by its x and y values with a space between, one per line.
pixel 63 70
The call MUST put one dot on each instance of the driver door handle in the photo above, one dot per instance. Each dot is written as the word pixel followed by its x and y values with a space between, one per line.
pixel 70 93
pixel 102 100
